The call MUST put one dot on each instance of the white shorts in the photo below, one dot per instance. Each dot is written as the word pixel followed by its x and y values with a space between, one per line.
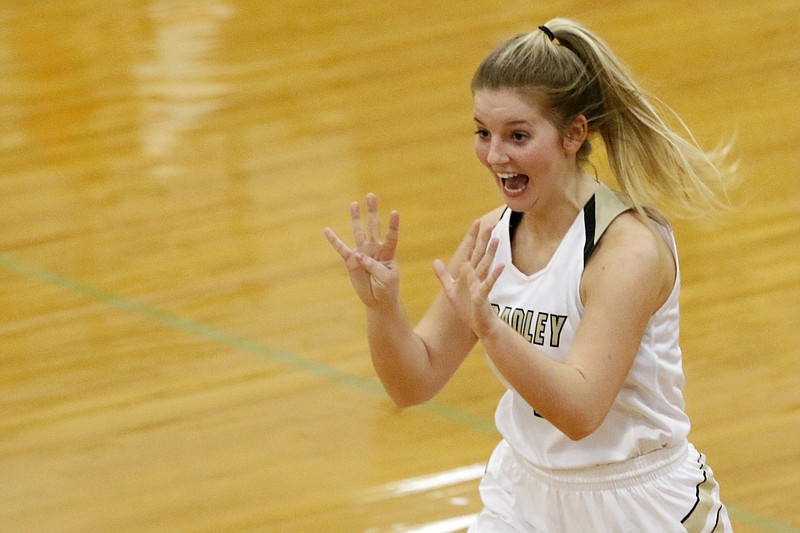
pixel 665 491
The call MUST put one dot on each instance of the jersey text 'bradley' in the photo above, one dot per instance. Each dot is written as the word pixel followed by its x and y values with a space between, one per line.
pixel 534 326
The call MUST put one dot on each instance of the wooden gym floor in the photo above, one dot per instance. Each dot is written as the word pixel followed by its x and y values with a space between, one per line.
pixel 180 350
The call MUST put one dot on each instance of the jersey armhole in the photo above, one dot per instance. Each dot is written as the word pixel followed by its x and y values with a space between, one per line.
pixel 598 214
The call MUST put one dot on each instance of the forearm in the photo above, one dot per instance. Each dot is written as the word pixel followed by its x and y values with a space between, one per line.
pixel 558 391
pixel 399 355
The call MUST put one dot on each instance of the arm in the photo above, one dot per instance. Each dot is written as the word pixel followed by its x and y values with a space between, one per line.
pixel 627 280
pixel 415 363
pixel 412 363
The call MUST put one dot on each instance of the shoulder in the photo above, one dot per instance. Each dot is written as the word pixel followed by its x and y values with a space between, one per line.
pixel 491 218
pixel 632 257
pixel 486 221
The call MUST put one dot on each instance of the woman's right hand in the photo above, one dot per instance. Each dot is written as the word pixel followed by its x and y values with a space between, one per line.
pixel 371 264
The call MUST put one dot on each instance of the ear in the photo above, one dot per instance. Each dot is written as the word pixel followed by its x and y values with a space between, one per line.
pixel 575 135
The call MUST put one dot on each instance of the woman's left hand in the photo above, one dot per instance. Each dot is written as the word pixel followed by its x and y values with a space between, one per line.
pixel 468 293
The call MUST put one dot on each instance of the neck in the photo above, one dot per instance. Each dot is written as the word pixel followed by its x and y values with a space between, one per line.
pixel 552 219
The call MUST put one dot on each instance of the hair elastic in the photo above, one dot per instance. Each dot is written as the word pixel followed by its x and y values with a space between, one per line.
pixel 547 32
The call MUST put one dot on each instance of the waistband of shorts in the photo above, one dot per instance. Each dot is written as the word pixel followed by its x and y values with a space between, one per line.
pixel 634 471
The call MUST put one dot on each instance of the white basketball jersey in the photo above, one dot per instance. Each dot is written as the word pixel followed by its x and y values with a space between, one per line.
pixel 546 309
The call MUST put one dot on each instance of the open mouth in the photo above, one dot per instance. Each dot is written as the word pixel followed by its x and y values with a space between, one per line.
pixel 514 183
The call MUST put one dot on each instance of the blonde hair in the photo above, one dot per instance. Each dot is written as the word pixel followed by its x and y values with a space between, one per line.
pixel 571 72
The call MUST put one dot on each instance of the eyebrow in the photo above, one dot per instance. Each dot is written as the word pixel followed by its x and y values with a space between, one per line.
pixel 509 123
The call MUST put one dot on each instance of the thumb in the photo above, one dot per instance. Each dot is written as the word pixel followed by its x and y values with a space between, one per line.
pixel 367 262
pixel 441 272
pixel 374 268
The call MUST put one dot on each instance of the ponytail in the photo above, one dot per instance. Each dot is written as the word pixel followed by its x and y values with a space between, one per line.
pixel 571 72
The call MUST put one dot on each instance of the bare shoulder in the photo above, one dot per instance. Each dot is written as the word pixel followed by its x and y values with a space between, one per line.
pixel 491 218
pixel 486 221
pixel 632 255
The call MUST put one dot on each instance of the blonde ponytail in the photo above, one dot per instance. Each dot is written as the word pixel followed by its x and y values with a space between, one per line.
pixel 572 72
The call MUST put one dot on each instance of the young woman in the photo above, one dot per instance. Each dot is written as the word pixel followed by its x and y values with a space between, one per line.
pixel 571 288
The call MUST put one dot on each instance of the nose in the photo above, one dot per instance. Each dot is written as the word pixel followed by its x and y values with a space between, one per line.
pixel 497 154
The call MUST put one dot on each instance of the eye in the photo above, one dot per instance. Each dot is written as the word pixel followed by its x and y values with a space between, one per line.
pixel 483 133
pixel 520 136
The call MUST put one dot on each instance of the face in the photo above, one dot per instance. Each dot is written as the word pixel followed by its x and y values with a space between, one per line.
pixel 520 147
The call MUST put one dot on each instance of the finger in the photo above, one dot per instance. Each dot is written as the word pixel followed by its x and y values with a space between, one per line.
pixel 355 224
pixel 373 220
pixel 343 250
pixel 491 279
pixel 379 271
pixel 482 269
pixel 471 238
pixel 481 289
pixel 392 236
pixel 466 275
pixel 481 242
pixel 443 274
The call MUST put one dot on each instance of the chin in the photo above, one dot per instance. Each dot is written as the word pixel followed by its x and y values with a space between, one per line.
pixel 519 202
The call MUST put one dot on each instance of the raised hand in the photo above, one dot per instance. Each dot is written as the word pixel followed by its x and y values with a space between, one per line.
pixel 371 264
pixel 468 293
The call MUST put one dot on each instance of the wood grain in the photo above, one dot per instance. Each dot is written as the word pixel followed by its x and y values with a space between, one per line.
pixel 180 350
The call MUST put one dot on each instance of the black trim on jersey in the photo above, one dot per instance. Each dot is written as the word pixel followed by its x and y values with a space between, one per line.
pixel 513 224
pixel 589 221
pixel 506 208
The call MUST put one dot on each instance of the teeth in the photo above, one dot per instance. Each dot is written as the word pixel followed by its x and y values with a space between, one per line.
pixel 504 176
